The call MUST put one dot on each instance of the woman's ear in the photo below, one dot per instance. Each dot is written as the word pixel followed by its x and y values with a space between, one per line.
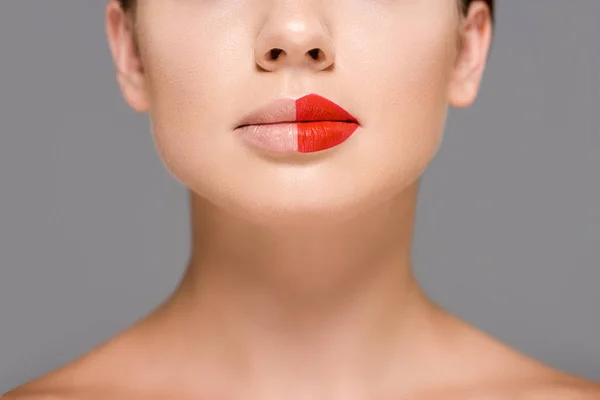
pixel 121 34
pixel 475 36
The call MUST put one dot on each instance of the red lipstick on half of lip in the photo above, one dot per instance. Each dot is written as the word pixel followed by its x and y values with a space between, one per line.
pixel 308 124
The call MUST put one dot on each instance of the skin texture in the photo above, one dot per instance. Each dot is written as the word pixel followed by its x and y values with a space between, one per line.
pixel 300 282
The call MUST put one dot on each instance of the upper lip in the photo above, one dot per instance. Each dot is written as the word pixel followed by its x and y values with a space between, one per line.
pixel 311 107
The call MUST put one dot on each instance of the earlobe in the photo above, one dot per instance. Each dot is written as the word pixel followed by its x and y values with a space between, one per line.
pixel 128 66
pixel 133 88
pixel 463 93
pixel 475 40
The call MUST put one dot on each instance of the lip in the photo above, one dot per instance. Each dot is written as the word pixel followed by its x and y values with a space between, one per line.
pixel 308 124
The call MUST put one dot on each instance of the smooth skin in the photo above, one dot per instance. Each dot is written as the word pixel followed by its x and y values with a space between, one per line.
pixel 300 282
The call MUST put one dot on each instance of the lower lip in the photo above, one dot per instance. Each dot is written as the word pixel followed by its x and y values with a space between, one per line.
pixel 302 137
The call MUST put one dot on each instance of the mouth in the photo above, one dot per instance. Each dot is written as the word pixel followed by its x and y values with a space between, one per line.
pixel 349 121
pixel 309 124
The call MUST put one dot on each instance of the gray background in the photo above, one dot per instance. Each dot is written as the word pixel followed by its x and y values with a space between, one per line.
pixel 94 231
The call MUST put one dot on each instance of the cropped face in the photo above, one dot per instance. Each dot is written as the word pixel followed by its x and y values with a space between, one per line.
pixel 392 66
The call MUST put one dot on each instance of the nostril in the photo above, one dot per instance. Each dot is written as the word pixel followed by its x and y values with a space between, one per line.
pixel 274 53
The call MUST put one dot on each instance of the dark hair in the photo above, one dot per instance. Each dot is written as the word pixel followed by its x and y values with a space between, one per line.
pixel 130 4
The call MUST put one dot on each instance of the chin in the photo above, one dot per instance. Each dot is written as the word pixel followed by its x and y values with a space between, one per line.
pixel 302 203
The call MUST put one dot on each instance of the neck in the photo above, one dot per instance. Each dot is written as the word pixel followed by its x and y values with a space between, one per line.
pixel 306 302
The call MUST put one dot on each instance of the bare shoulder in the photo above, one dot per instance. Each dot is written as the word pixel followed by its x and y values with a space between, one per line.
pixel 104 372
pixel 546 386
pixel 46 387
pixel 56 387
pixel 41 390
pixel 504 372
pixel 85 378
pixel 560 387
pixel 542 382
pixel 101 375
pixel 73 382
pixel 565 387
pixel 28 394
pixel 54 394
pixel 53 386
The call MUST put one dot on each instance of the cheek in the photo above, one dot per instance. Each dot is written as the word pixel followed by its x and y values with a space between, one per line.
pixel 404 101
pixel 192 86
pixel 414 109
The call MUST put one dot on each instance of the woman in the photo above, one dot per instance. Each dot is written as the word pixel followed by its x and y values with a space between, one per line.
pixel 301 129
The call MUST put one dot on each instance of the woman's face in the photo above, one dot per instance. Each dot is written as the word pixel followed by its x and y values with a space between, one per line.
pixel 395 65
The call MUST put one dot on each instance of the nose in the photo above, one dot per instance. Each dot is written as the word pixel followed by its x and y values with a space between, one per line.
pixel 294 35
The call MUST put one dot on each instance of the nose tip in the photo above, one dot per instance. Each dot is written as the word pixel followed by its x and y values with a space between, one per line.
pixel 294 43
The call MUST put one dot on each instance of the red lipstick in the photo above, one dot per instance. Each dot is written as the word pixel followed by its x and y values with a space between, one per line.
pixel 308 124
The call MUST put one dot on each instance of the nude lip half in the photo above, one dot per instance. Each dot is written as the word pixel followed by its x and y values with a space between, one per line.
pixel 308 124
